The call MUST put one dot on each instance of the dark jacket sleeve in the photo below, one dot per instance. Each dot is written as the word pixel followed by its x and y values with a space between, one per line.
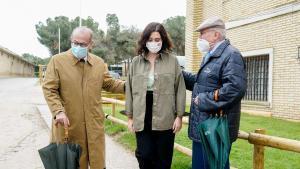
pixel 179 91
pixel 189 79
pixel 234 85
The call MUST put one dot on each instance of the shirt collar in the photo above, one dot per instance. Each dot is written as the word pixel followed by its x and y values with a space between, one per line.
pixel 215 47
pixel 75 60
pixel 85 58
pixel 160 56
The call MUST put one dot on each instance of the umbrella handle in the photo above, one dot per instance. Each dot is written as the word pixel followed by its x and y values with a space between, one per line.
pixel 66 134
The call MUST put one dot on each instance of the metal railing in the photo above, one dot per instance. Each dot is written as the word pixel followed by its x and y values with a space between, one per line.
pixel 257 138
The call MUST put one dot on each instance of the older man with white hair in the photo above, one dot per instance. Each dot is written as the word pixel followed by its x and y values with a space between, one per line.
pixel 218 86
pixel 72 88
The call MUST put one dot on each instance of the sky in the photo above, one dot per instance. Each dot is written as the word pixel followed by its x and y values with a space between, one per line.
pixel 18 18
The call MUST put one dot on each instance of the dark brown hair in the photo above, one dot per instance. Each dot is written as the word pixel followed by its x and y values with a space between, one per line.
pixel 154 27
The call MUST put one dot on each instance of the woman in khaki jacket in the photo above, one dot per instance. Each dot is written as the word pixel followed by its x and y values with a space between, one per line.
pixel 155 98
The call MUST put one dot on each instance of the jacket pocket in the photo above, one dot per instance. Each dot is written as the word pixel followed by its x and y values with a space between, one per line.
pixel 212 78
pixel 137 84
pixel 166 111
pixel 167 83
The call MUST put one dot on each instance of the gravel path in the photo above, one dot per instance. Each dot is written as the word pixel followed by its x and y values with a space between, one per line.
pixel 24 128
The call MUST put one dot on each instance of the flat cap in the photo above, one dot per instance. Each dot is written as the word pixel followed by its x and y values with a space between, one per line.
pixel 212 22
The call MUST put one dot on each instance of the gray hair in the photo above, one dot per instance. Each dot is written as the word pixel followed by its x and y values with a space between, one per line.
pixel 82 29
pixel 221 31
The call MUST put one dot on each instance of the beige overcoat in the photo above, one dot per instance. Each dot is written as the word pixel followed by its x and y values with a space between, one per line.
pixel 74 87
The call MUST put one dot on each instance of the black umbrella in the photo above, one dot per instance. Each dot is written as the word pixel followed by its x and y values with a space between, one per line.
pixel 214 136
pixel 61 156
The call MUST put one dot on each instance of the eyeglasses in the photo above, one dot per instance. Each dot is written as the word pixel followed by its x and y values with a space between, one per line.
pixel 80 44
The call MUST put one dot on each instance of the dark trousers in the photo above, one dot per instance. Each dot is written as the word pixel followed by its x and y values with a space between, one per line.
pixel 199 158
pixel 154 148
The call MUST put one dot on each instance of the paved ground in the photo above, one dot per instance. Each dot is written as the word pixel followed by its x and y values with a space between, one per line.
pixel 24 129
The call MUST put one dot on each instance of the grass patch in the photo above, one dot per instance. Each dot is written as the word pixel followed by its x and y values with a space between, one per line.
pixel 181 161
pixel 128 139
pixel 241 153
pixel 112 129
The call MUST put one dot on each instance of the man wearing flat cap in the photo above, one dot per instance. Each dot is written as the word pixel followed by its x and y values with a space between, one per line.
pixel 219 85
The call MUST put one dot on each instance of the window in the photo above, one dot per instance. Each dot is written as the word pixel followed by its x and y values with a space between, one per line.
pixel 257 78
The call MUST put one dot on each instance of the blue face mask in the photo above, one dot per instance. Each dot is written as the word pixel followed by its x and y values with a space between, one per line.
pixel 79 52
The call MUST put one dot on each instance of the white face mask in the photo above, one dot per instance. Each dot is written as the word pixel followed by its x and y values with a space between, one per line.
pixel 154 47
pixel 203 45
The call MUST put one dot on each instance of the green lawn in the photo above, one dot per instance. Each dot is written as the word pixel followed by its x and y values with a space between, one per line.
pixel 241 154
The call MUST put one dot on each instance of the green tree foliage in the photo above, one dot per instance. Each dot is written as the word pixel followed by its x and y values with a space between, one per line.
pixel 127 41
pixel 112 22
pixel 113 30
pixel 48 32
pixel 101 48
pixel 120 44
pixel 116 44
pixel 35 59
pixel 175 26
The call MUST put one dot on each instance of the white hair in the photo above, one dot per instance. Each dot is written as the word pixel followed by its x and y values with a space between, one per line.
pixel 221 31
pixel 82 29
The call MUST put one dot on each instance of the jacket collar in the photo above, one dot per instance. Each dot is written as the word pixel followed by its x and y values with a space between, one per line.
pixel 90 59
pixel 218 52
pixel 161 56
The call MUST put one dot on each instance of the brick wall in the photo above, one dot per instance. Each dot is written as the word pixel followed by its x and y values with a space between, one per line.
pixel 192 55
pixel 237 9
pixel 280 33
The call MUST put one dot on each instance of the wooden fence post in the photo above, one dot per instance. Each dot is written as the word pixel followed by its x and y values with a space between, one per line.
pixel 113 109
pixel 257 138
pixel 259 153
